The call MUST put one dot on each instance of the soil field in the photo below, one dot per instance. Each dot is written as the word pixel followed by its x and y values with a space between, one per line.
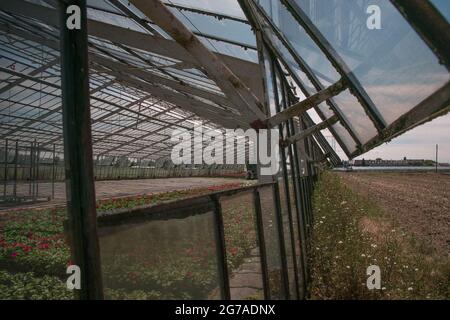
pixel 419 202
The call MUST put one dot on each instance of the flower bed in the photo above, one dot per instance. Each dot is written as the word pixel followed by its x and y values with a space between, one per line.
pixel 33 246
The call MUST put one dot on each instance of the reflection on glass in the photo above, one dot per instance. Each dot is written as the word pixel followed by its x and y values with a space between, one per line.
pixel 160 259
pixel 272 242
pixel 244 264
pixel 395 67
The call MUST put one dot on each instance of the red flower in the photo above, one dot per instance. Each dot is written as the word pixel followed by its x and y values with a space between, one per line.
pixel 43 246
pixel 27 249
pixel 14 254
pixel 189 274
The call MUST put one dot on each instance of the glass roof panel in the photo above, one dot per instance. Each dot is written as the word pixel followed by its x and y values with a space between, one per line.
pixel 223 28
pixel 395 67
pixel 300 41
pixel 227 7
pixel 443 6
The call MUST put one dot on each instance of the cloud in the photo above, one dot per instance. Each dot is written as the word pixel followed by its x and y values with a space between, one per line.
pixel 418 143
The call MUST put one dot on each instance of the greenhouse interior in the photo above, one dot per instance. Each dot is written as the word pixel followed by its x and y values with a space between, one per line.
pixel 95 95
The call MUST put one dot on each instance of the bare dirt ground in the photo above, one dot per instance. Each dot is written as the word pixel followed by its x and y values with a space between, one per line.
pixel 120 188
pixel 419 202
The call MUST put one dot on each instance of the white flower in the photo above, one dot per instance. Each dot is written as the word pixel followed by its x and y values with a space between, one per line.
pixel 363 255
pixel 340 242
pixel 384 288
pixel 348 267
pixel 410 289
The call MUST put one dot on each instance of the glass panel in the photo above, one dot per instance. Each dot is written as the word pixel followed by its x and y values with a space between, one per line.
pixel 223 28
pixel 443 6
pixel 301 42
pixel 395 67
pixel 244 264
pixel 227 7
pixel 345 137
pixel 355 115
pixel 160 259
pixel 271 237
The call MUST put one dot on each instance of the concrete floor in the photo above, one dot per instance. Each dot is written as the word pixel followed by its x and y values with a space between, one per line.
pixel 119 188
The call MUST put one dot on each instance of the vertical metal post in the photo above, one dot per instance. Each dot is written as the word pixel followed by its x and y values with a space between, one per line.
pixel 38 155
pixel 284 265
pixel 16 159
pixel 261 244
pixel 53 171
pixel 290 210
pixel 78 149
pixel 221 250
pixel 31 169
pixel 6 170
pixel 437 151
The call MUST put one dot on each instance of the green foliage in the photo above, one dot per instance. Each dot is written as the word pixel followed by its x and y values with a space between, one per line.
pixel 34 255
pixel 25 286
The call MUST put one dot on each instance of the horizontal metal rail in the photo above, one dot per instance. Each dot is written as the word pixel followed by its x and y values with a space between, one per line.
pixel 310 131
pixel 304 105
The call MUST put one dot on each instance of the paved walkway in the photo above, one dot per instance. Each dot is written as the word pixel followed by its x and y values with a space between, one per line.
pixel 246 281
pixel 120 188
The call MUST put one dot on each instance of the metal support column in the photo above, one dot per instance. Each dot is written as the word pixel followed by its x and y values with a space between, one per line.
pixel 6 171
pixel 221 250
pixel 53 172
pixel 261 244
pixel 16 159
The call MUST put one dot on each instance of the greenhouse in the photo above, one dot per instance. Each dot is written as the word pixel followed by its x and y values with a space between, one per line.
pixel 96 94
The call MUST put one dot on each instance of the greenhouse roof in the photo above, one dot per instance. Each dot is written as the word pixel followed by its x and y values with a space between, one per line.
pixel 155 68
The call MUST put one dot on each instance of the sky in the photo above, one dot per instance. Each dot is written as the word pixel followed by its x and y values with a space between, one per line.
pixel 419 143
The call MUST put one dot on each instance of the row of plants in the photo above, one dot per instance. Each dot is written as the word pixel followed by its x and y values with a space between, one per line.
pixel 33 246
pixel 186 267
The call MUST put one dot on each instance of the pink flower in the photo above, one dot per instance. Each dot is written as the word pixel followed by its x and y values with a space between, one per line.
pixel 14 254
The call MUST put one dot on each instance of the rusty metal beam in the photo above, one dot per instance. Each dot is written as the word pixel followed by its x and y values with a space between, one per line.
pixel 308 103
pixel 310 131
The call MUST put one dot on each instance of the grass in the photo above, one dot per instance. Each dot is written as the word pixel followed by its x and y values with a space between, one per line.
pixel 351 233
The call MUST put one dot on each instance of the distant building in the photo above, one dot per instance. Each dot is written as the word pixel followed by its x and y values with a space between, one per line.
pixel 393 163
